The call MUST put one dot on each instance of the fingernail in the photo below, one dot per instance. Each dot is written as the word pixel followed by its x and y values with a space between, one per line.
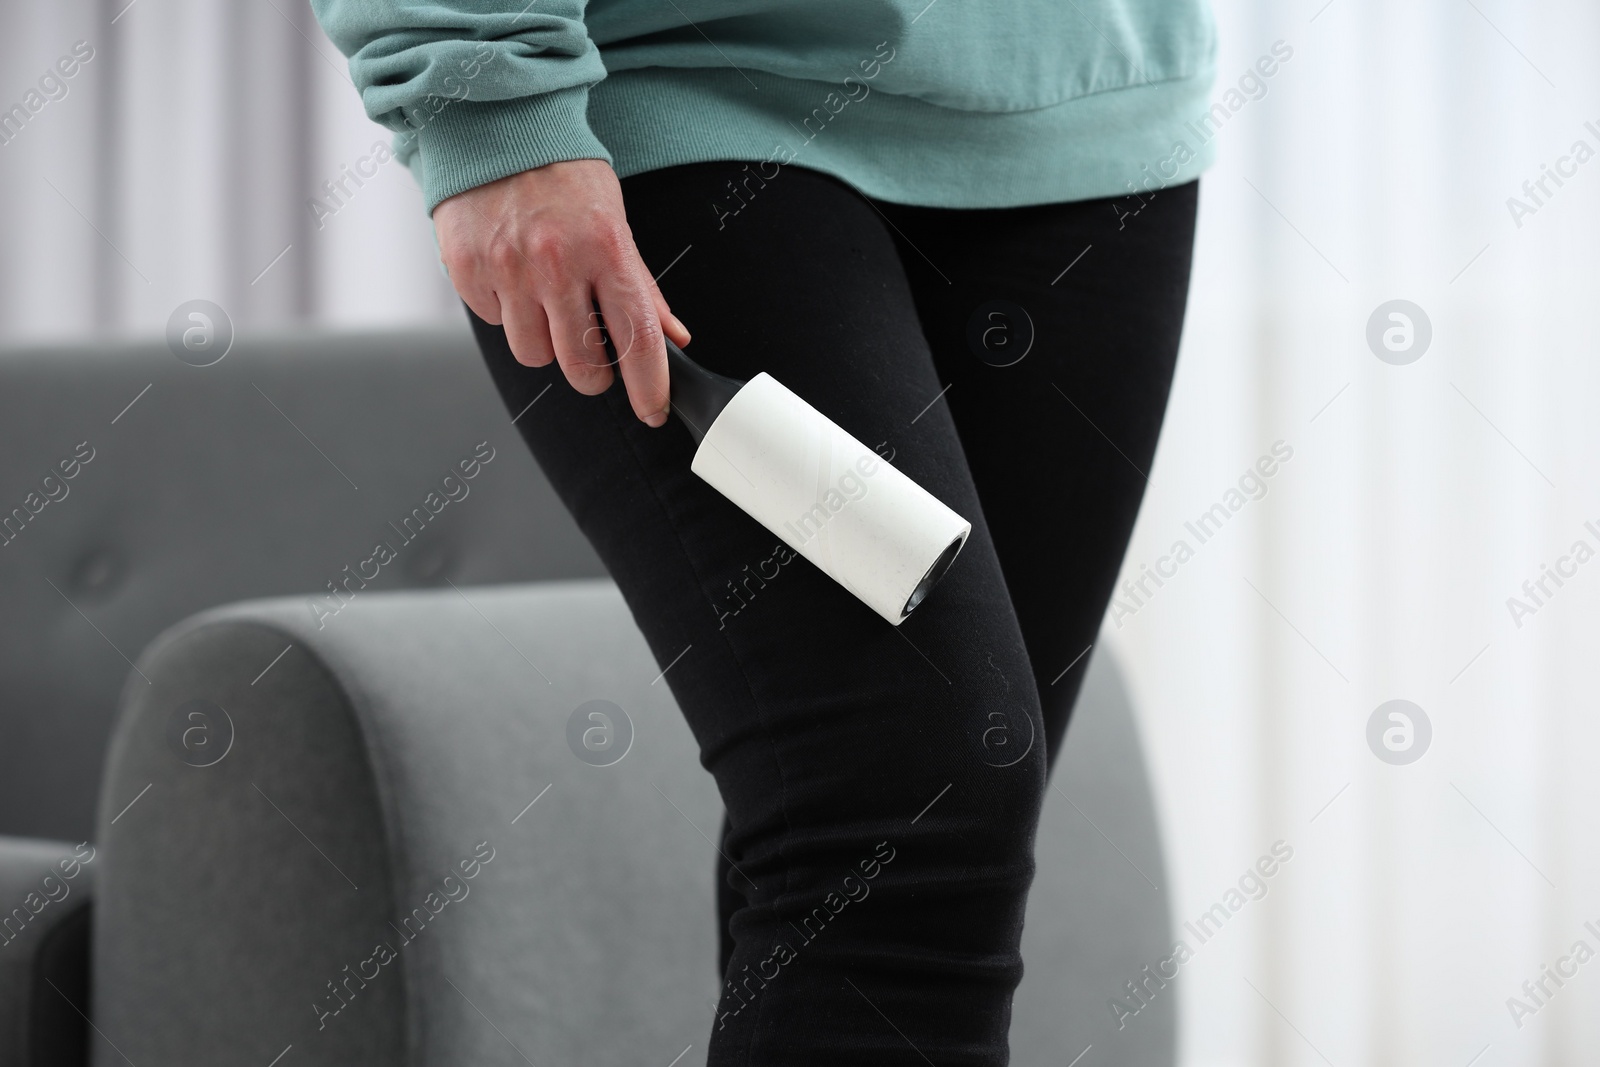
pixel 657 420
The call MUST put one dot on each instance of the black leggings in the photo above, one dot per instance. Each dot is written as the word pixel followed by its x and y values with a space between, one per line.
pixel 882 785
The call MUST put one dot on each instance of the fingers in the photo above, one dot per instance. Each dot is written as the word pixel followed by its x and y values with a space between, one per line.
pixel 527 330
pixel 670 323
pixel 483 300
pixel 674 328
pixel 578 343
pixel 630 319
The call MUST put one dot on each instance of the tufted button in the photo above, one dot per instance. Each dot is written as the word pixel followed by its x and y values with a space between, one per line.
pixel 96 574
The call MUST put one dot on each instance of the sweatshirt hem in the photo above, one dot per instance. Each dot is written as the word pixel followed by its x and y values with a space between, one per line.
pixel 905 150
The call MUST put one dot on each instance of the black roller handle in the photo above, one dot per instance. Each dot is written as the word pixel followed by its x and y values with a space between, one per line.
pixel 698 395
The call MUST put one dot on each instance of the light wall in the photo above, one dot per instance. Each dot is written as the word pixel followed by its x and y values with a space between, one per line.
pixel 1378 566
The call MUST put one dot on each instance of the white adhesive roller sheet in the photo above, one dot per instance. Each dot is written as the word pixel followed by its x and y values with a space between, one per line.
pixel 829 497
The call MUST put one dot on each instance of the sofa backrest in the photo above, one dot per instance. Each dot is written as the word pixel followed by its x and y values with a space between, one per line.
pixel 136 489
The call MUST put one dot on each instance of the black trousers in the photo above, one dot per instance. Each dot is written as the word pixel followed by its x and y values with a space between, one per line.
pixel 882 784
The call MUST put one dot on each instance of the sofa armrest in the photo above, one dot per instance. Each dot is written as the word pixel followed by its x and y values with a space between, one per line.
pixel 373 843
pixel 46 889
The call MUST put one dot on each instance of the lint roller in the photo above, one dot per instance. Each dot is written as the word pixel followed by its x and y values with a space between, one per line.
pixel 832 499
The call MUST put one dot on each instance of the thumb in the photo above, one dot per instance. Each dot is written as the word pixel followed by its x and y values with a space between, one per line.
pixel 670 323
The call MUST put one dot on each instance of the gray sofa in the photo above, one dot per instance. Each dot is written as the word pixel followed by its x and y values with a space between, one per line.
pixel 297 778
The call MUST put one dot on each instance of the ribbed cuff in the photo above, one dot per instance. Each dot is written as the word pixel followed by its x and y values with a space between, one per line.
pixel 468 144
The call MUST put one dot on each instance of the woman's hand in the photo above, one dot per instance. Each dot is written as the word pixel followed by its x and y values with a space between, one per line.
pixel 532 252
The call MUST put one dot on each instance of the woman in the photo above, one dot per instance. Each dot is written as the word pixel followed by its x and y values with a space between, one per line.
pixel 962 229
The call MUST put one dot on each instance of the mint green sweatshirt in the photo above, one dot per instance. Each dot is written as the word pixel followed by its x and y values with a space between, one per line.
pixel 948 103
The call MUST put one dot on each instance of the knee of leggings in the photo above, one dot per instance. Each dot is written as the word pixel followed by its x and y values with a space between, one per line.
pixel 988 820
pixel 971 839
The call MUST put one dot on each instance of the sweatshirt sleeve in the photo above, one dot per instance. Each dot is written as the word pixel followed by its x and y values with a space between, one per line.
pixel 475 89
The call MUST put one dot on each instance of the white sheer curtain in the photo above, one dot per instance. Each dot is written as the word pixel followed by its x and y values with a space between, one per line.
pixel 1373 165
pixel 180 165
pixel 1378 566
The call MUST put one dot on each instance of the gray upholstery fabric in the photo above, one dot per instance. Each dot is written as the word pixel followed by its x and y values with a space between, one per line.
pixel 46 888
pixel 417 731
pixel 221 483
pixel 1099 911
